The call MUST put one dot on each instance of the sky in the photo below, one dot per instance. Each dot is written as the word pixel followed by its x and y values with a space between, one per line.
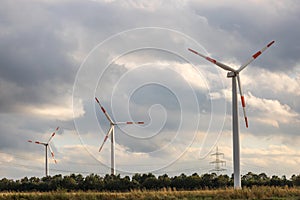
pixel 57 56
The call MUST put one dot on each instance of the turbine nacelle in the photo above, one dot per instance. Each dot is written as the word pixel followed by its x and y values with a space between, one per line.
pixel 231 74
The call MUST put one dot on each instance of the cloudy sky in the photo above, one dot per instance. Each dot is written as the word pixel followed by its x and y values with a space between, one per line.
pixel 57 56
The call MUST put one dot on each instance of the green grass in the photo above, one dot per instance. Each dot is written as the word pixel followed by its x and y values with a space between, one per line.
pixel 245 193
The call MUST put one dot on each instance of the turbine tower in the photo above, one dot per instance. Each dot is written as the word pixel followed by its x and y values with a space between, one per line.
pixel 218 161
pixel 234 75
pixel 47 145
pixel 111 133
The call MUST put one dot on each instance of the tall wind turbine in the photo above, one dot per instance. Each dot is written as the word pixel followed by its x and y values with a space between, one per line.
pixel 47 145
pixel 111 133
pixel 234 75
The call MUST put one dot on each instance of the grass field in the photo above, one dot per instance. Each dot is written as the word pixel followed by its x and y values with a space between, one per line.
pixel 245 193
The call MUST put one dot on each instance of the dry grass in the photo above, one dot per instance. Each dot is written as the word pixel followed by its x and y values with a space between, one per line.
pixel 245 193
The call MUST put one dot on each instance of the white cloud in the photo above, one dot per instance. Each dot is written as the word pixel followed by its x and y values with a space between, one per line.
pixel 59 112
pixel 190 74
pixel 267 121
pixel 6 157
pixel 260 159
pixel 215 95
pixel 272 111
pixel 278 82
pixel 270 150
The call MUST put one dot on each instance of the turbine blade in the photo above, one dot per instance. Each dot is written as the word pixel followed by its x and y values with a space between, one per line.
pixel 52 154
pixel 120 123
pixel 104 111
pixel 53 134
pixel 36 142
pixel 223 66
pixel 254 56
pixel 106 136
pixel 242 100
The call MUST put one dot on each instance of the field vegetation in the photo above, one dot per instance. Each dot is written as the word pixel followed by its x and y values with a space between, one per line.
pixel 261 192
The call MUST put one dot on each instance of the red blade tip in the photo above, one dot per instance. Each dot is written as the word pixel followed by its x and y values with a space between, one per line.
pixel 105 138
pixel 103 109
pixel 256 54
pixel 193 51
pixel 270 43
pixel 97 100
pixel 211 60
pixel 246 120
pixel 243 101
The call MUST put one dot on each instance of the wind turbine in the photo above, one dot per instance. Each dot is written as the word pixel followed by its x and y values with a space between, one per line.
pixel 111 133
pixel 47 145
pixel 234 75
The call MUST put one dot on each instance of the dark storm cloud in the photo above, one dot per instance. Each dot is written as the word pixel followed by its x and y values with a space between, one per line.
pixel 254 26
pixel 34 56
pixel 97 17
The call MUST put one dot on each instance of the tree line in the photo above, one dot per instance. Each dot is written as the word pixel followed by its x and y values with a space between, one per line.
pixel 94 182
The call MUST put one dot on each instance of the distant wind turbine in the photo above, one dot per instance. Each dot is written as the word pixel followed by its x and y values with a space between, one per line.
pixel 234 74
pixel 111 132
pixel 47 145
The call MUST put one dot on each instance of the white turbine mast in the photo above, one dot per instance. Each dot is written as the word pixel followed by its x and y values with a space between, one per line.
pixel 47 145
pixel 111 133
pixel 234 74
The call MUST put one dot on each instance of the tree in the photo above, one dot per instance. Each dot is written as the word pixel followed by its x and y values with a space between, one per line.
pixel 208 180
pixel 75 182
pixel 163 181
pixel 263 179
pixel 221 181
pixel 178 182
pixel 250 179
pixel 56 182
pixel 296 180
pixel 137 181
pixel 69 183
pixel 8 185
pixel 93 182
pixel 150 183
pixel 193 182
pixel 275 181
